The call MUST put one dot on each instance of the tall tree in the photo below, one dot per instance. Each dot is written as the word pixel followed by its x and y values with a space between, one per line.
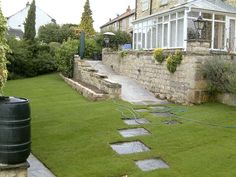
pixel 86 23
pixel 30 31
pixel 3 49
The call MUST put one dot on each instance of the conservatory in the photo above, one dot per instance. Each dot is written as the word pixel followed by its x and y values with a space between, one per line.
pixel 173 28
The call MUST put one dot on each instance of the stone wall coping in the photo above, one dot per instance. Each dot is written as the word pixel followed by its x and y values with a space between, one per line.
pixel 99 75
pixel 198 40
pixel 111 84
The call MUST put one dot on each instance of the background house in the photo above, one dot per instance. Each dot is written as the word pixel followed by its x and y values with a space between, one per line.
pixel 122 22
pixel 169 23
pixel 16 21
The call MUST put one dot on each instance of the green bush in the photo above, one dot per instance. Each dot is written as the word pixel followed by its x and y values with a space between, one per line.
pixel 221 75
pixel 173 61
pixel 158 55
pixel 29 58
pixel 65 55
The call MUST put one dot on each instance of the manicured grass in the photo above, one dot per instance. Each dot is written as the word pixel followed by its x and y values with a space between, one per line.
pixel 71 135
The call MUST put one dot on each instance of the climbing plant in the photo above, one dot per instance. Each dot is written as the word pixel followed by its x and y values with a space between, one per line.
pixel 3 50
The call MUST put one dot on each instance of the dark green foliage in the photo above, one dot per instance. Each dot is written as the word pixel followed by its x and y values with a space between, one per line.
pixel 3 50
pixel 29 58
pixel 221 75
pixel 55 33
pixel 91 47
pixel 65 55
pixel 120 38
pixel 30 31
pixel 173 61
pixel 49 33
pixel 86 23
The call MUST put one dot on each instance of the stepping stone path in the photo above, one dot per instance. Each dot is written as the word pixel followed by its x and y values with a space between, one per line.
pixel 137 146
pixel 151 164
pixel 138 121
pixel 133 132
pixel 129 147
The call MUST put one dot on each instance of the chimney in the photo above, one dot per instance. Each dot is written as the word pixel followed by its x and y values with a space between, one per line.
pixel 128 10
pixel 109 19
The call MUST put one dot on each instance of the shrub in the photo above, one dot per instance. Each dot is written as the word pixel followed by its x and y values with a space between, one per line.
pixel 221 75
pixel 29 58
pixel 173 61
pixel 158 55
pixel 65 55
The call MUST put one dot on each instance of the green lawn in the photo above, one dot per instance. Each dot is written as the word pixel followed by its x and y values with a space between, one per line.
pixel 71 135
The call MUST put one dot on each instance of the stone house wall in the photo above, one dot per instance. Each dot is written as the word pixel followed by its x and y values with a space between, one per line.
pixel 156 7
pixel 187 85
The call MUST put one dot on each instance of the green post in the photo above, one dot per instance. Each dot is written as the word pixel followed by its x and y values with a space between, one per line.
pixel 82 45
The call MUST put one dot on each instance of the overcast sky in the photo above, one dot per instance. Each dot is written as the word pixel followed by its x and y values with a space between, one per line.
pixel 70 11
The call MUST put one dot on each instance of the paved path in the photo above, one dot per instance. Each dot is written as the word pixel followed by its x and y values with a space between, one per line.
pixel 131 91
pixel 37 169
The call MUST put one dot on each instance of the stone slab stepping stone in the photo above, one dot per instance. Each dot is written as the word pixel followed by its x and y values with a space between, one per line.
pixel 151 164
pixel 129 147
pixel 133 132
pixel 141 110
pixel 171 122
pixel 138 121
pixel 163 114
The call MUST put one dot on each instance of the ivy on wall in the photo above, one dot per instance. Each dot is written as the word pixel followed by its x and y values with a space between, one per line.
pixel 3 50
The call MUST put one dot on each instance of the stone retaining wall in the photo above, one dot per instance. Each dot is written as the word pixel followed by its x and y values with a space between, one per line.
pixel 86 92
pixel 227 98
pixel 83 72
pixel 186 85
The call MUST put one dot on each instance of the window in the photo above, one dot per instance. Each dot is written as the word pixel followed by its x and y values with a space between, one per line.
pixel 159 38
pixel 145 5
pixel 164 2
pixel 163 31
pixel 165 35
pixel 154 35
pixel 180 33
pixel 172 33
pixel 219 40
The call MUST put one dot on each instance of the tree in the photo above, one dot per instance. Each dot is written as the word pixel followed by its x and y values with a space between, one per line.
pixel 30 31
pixel 49 33
pixel 3 50
pixel 54 33
pixel 86 23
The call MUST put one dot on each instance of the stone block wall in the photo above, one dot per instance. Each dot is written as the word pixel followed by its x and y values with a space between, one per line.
pixel 187 85
pixel 83 72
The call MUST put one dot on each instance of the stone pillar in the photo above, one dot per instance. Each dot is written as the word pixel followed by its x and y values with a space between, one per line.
pixel 198 46
pixel 19 170
pixel 198 51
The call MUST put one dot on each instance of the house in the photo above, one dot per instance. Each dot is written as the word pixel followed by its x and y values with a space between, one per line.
pixel 17 20
pixel 169 24
pixel 122 22
pixel 17 33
